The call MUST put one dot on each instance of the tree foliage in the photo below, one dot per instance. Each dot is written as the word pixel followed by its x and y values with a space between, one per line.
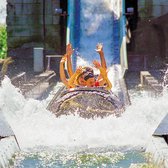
pixel 3 42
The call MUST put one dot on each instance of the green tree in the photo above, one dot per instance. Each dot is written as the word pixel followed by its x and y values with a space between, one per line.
pixel 3 42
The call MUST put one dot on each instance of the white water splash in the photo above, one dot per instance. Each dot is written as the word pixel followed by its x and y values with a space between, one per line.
pixel 96 11
pixel 35 126
pixel 96 25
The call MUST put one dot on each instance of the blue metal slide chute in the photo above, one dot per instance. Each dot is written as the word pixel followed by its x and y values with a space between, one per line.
pixel 90 23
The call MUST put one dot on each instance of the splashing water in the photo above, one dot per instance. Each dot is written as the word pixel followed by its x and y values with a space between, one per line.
pixel 35 126
pixel 52 159
pixel 165 80
pixel 96 25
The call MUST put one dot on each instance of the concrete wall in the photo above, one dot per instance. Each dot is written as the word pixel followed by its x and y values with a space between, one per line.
pixel 151 37
pixel 152 8
pixel 25 27
pixel 25 24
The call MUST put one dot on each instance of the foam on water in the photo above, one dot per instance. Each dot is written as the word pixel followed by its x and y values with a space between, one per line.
pixel 35 126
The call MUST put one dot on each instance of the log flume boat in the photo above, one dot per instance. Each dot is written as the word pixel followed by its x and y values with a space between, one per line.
pixel 86 102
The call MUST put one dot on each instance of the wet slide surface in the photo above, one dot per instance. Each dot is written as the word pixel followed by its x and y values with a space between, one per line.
pixel 96 22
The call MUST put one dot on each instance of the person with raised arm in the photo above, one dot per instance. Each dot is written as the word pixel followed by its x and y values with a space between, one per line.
pixel 103 73
pixel 84 76
pixel 69 51
pixel 75 79
pixel 62 71
pixel 99 49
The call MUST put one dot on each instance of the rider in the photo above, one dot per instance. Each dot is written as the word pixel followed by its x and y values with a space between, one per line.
pixel 88 78
pixel 84 76
pixel 99 49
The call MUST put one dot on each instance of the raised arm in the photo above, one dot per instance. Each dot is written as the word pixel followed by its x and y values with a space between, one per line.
pixel 69 52
pixel 103 74
pixel 71 81
pixel 62 72
pixel 99 49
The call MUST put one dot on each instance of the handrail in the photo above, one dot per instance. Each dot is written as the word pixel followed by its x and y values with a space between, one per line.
pixel 69 34
pixel 70 27
pixel 123 49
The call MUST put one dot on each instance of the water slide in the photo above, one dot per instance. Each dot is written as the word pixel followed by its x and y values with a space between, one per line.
pixel 89 23
pixel 97 21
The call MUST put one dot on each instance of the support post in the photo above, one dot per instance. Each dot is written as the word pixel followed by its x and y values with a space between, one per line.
pixel 38 60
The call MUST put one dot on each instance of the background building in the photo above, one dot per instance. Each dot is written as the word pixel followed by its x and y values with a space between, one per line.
pixel 149 35
pixel 34 23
